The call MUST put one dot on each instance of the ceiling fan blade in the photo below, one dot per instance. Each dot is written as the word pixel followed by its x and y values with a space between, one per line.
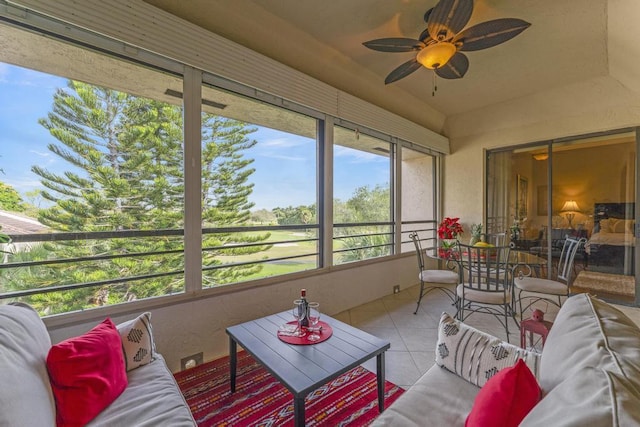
pixel 449 17
pixel 490 33
pixel 394 44
pixel 424 36
pixel 402 71
pixel 427 14
pixel 455 68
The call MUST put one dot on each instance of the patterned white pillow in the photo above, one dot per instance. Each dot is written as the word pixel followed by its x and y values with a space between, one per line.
pixel 476 356
pixel 137 341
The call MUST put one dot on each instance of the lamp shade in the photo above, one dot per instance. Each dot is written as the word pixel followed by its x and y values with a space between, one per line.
pixel 436 55
pixel 570 206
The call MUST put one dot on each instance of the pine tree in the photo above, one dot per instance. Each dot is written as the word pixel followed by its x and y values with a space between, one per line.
pixel 10 200
pixel 225 196
pixel 125 156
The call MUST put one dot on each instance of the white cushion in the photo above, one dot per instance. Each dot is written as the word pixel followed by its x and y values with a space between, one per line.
pixel 590 332
pixel 590 397
pixel 137 341
pixel 474 355
pixel 439 276
pixel 151 399
pixel 483 297
pixel 439 398
pixel 545 286
pixel 25 393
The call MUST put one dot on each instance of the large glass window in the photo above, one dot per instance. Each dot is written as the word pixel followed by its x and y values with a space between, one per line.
pixel 259 187
pixel 93 176
pixel 362 209
pixel 94 197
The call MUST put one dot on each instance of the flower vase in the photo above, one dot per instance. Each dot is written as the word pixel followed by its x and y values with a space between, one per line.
pixel 446 247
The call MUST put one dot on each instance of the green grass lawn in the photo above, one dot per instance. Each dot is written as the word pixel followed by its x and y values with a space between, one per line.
pixel 282 250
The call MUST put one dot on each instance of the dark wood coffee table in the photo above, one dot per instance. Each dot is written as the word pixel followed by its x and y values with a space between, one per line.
pixel 303 368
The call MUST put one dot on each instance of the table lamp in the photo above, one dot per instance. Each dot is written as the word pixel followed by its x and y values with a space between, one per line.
pixel 570 208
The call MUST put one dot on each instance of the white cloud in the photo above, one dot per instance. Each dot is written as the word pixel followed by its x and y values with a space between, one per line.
pixel 25 77
pixel 283 157
pixel 24 184
pixel 357 156
pixel 280 143
pixel 40 153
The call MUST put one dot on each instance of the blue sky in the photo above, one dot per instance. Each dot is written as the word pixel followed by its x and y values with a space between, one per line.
pixel 285 163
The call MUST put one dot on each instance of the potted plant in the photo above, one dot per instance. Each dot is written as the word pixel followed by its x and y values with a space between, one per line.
pixel 448 232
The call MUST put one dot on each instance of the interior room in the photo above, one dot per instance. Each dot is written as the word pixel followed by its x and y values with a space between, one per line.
pixel 204 162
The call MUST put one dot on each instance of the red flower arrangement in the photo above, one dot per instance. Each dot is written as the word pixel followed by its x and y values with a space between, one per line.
pixel 449 228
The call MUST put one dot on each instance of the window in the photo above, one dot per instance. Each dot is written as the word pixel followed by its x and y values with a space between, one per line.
pixel 362 209
pixel 94 194
pixel 259 181
pixel 93 176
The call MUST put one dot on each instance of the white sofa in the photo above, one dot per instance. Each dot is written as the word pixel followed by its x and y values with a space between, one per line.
pixel 589 374
pixel 151 398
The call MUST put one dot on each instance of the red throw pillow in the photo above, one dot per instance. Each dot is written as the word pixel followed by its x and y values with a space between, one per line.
pixel 506 398
pixel 87 373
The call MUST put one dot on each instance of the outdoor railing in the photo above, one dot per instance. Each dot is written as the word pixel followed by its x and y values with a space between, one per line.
pixel 350 239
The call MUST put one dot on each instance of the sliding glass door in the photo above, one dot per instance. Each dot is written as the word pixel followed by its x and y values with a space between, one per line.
pixel 583 188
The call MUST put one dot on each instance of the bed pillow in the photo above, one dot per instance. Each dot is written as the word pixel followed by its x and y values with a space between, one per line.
pixel 506 398
pixel 87 373
pixel 605 226
pixel 137 341
pixel 618 226
pixel 476 356
pixel 630 225
pixel 624 226
pixel 615 225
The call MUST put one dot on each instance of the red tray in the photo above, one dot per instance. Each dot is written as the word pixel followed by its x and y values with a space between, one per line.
pixel 325 333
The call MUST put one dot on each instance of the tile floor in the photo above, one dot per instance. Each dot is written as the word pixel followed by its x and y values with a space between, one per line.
pixel 413 337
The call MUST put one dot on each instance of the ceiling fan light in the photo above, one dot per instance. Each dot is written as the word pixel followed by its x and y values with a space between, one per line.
pixel 436 55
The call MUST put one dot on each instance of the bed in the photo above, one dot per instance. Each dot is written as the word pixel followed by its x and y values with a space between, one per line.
pixel 612 244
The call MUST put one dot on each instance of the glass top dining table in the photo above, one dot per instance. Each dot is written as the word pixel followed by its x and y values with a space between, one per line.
pixel 520 262
pixel 525 258
pixel 516 257
pixel 526 263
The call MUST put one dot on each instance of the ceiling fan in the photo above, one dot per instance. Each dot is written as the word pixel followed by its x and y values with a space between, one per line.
pixel 440 46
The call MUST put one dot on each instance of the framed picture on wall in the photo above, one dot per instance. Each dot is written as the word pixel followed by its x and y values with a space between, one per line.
pixel 522 193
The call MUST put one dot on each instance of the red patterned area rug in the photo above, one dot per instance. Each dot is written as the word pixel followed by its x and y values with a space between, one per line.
pixel 260 400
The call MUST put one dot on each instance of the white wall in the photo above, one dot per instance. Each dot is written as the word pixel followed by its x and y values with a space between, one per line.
pixel 199 324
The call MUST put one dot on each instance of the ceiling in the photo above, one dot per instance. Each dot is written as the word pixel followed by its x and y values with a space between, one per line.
pixel 569 42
